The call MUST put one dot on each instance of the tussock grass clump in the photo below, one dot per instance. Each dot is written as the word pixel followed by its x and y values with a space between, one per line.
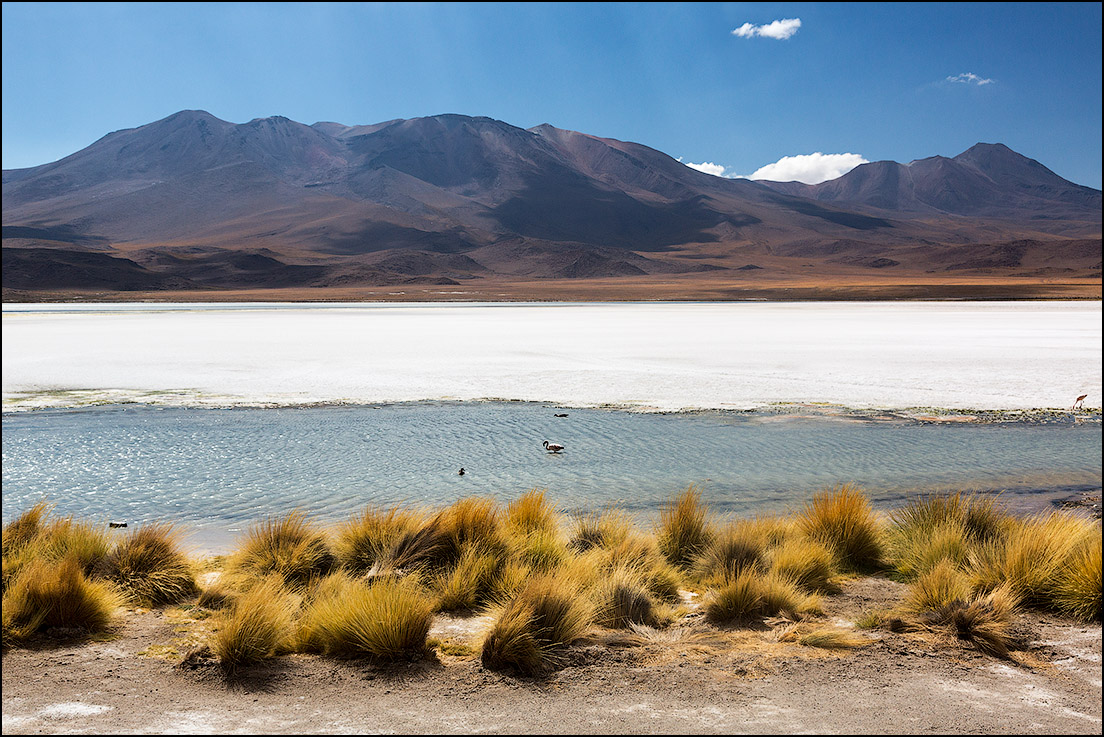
pixel 288 546
pixel 427 547
pixel 983 620
pixel 255 626
pixel 56 594
pixel 24 528
pixel 388 618
pixel 66 537
pixel 738 599
pixel 979 516
pixel 541 549
pixel 599 530
pixel 641 552
pixel 729 552
pixel 1031 556
pixel 1077 590
pixel 781 595
pixel 56 539
pixel 940 527
pixel 917 553
pixel 367 538
pixel 623 599
pixel 532 512
pixel 472 582
pixel 684 528
pixel 150 567
pixel 842 520
pixel 809 564
pixel 937 588
pixel 773 530
pixel 545 614
pixel 473 521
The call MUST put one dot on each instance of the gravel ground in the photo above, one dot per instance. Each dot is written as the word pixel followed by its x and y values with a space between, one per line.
pixel 692 679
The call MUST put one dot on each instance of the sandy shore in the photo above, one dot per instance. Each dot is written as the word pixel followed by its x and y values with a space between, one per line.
pixel 693 679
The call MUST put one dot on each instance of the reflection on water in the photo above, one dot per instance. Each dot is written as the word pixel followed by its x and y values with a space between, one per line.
pixel 218 469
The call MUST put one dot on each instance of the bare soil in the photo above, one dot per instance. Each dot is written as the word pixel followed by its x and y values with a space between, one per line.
pixel 838 283
pixel 692 678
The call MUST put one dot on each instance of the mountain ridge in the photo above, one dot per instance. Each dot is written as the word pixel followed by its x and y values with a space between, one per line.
pixel 542 202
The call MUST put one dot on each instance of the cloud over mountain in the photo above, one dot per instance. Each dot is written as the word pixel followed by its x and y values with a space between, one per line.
pixel 811 168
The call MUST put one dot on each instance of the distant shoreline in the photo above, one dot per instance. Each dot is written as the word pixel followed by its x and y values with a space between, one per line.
pixel 676 288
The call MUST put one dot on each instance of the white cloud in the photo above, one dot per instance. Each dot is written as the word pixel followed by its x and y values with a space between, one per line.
pixel 969 78
pixel 779 29
pixel 709 168
pixel 808 168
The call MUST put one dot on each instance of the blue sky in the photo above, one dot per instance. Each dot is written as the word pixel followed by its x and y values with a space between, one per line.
pixel 878 81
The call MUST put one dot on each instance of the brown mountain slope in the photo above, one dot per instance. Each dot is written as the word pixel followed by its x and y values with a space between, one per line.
pixel 192 201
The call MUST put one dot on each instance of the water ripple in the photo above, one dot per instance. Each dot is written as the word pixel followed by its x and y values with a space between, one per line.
pixel 221 469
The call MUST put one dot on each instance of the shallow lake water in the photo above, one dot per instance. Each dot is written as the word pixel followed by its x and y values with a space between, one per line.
pixel 220 470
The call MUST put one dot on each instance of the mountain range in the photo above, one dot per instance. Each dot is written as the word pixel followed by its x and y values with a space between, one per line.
pixel 195 203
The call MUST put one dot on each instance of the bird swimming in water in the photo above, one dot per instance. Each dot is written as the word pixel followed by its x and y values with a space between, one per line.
pixel 461 472
pixel 552 447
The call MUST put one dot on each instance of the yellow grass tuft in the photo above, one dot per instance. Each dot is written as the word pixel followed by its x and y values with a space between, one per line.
pixel 288 546
pixel 388 618
pixel 738 599
pixel 150 567
pixel 937 588
pixel 623 599
pixel 781 595
pixel 24 528
pixel 842 520
pixel 532 512
pixel 917 552
pixel 255 626
pixel 473 521
pixel 1077 589
pixel 731 550
pixel 541 549
pixel 684 528
pixel 55 540
pixel 1031 556
pixel 472 582
pixel 48 594
pixel 605 529
pixel 367 538
pixel 808 563
pixel 545 614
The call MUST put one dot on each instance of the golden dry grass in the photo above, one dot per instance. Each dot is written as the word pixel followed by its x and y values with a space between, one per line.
pixel 545 614
pixel 255 626
pixel 48 594
pixel 150 567
pixel 367 538
pixel 24 528
pixel 1031 556
pixel 383 617
pixel 288 546
pixel 808 563
pixel 532 512
pixel 842 520
pixel 623 598
pixel 685 528
pixel 729 551
pixel 472 582
pixel 1077 590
